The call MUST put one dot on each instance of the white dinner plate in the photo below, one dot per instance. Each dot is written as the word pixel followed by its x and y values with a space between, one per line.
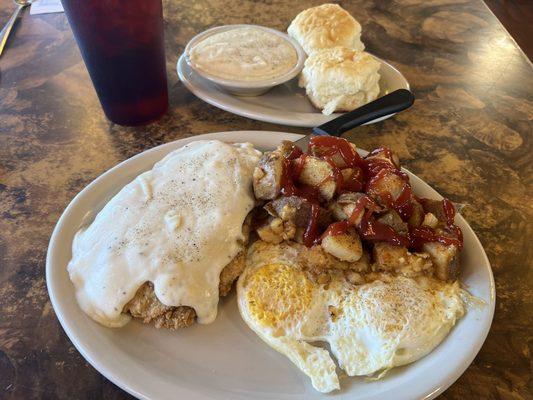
pixel 285 104
pixel 226 360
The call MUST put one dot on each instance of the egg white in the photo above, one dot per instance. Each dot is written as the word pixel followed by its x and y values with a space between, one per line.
pixel 370 328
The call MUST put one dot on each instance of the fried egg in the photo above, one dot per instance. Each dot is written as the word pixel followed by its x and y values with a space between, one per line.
pixel 370 328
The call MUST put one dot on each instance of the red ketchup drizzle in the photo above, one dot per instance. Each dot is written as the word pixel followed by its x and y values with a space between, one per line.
pixel 377 168
pixel 292 169
pixel 336 175
pixel 295 153
pixel 406 208
pixel 311 234
pixel 403 204
pixel 424 234
pixel 290 174
pixel 374 164
pixel 368 228
pixel 449 211
pixel 355 182
pixel 360 205
pixel 370 170
pixel 287 185
pixel 331 146
pixel 294 164
pixel 337 228
pixel 337 145
pixel 298 166
pixel 375 231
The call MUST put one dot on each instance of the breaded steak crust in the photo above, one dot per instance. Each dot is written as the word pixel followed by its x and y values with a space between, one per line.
pixel 146 306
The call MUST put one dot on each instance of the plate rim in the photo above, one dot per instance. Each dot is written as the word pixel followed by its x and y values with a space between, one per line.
pixel 300 119
pixel 429 393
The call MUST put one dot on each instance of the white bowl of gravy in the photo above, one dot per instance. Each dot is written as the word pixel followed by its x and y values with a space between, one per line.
pixel 245 60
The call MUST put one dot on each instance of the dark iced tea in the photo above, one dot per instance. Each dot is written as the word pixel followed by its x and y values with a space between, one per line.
pixel 122 45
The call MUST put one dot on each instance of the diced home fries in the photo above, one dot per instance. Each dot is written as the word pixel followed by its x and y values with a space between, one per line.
pixel 355 208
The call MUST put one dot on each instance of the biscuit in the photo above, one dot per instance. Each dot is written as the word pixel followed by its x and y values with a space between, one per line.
pixel 326 26
pixel 340 79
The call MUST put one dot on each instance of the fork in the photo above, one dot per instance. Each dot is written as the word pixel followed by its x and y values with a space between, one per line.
pixel 4 34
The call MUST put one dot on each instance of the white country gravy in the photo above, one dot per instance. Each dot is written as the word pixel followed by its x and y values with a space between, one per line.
pixel 177 225
pixel 244 54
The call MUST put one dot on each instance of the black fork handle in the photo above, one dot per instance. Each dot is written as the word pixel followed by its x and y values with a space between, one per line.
pixel 389 104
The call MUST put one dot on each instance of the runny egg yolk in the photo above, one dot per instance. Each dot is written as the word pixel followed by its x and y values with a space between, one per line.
pixel 277 294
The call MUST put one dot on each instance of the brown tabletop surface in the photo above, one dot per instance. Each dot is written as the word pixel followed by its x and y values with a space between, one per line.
pixel 469 135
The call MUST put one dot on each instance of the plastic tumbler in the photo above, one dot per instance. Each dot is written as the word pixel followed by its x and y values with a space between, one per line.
pixel 122 44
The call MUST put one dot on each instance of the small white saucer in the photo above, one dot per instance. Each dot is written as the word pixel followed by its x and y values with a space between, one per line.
pixel 285 104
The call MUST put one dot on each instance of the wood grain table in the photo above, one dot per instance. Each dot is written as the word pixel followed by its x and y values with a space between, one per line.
pixel 469 135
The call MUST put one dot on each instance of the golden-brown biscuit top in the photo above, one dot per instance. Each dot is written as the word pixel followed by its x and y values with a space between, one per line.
pixel 326 26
